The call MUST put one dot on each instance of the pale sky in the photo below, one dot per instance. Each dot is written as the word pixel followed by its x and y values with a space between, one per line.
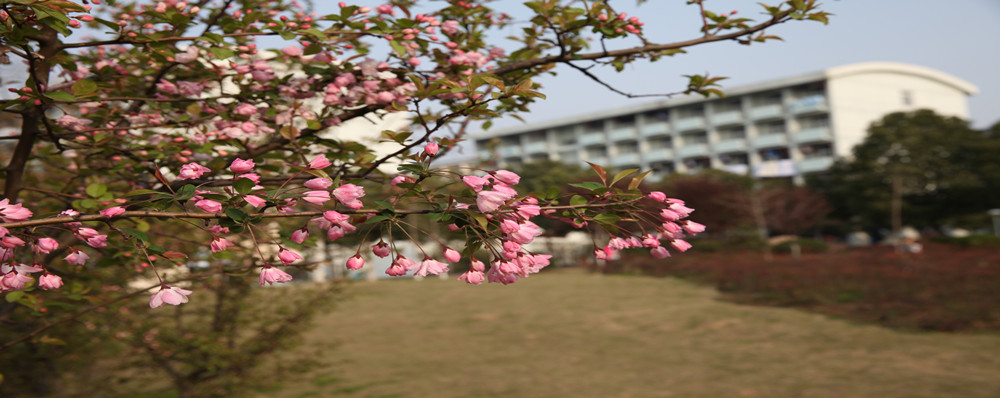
pixel 960 37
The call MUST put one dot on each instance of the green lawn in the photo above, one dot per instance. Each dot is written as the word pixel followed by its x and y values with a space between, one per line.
pixel 573 334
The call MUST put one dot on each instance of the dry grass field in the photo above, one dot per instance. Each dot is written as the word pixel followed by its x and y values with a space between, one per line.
pixel 569 333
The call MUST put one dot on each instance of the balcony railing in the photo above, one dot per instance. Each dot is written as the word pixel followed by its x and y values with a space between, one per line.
pixel 655 129
pixel 592 138
pixel 727 118
pixel 733 145
pixel 625 159
pixel 536 147
pixel 770 140
pixel 766 112
pixel 688 151
pixel 810 104
pixel 659 155
pixel 622 133
pixel 815 164
pixel 815 134
pixel 690 123
pixel 509 151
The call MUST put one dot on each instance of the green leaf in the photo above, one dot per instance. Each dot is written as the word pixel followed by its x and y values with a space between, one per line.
pixel 185 193
pixel 481 219
pixel 606 218
pixel 237 215
pixel 243 185
pixel 398 48
pixel 577 200
pixel 84 87
pixel 61 96
pixel 637 180
pixel 622 174
pixel 96 189
pixel 376 219
pixel 383 204
pixel 136 233
pixel 589 185
pixel 154 249
pixel 12 297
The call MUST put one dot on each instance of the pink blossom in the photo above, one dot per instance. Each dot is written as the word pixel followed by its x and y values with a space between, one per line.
pixel 169 295
pixel 292 51
pixel 113 211
pixel 11 241
pixel 355 262
pixel 255 201
pixel 271 275
pixel 401 179
pixel 449 27
pixel 335 232
pixel 288 256
pixel 13 212
pixel 191 171
pixel 335 217
pixel 319 162
pixel 397 268
pixel 46 245
pixel 300 235
pixel 240 166
pixel 658 196
pixel 381 249
pixel 318 183
pixel 385 9
pixel 49 281
pixel 348 194
pixel 680 245
pixel 317 197
pixel 245 110
pixel 430 267
pixel 13 281
pixel 190 89
pixel 659 252
pixel 431 148
pixel 693 228
pixel 166 87
pixel 475 274
pixel 189 54
pixel 490 201
pixel 670 215
pixel 219 244
pixel 509 226
pixel 208 206
pixel 474 182
pixel 76 257
pixel 507 177
pixel 452 255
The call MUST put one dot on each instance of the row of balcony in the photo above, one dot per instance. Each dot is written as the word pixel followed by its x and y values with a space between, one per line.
pixel 817 134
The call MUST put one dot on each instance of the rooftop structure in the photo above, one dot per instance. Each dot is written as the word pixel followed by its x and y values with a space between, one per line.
pixel 782 128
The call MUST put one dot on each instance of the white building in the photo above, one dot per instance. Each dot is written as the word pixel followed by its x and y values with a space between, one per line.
pixel 782 128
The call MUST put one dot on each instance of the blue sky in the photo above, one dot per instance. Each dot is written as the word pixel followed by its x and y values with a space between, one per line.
pixel 956 37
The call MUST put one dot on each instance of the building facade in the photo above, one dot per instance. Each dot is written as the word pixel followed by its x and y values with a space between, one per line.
pixel 783 128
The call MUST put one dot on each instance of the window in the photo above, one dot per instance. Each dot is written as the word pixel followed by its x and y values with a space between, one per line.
pixel 594 126
pixel 814 122
pixel 777 127
pixel 774 154
pixel 661 143
pixel 659 115
pixel 690 112
pixel 773 98
pixel 907 97
pixel 695 138
pixel 734 158
pixel 734 133
pixel 816 150
pixel 727 106
pixel 626 147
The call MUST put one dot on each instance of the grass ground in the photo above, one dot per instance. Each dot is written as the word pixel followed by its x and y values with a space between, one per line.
pixel 572 334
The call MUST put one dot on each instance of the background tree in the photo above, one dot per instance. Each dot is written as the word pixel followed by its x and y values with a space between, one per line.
pixel 917 168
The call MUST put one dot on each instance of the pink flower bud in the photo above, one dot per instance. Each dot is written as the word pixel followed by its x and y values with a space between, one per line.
pixel 452 255
pixel 431 148
pixel 300 235
pixel 318 183
pixel 356 262
pixel 241 166
pixel 49 281
pixel 381 249
pixel 319 162
pixel 113 211
pixel 288 256
pixel 209 206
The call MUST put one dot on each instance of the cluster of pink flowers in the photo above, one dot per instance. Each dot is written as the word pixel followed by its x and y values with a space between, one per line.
pixel 673 229
pixel 13 276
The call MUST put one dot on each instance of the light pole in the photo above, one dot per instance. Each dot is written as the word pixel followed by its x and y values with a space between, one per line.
pixel 995 213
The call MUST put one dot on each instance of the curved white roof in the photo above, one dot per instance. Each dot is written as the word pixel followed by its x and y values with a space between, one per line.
pixel 900 68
